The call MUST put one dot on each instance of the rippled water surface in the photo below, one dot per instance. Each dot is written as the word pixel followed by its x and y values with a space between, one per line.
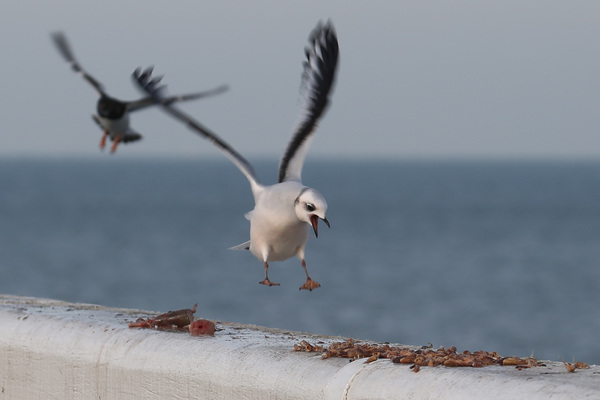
pixel 500 256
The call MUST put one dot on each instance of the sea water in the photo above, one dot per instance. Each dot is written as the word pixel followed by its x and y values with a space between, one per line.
pixel 482 255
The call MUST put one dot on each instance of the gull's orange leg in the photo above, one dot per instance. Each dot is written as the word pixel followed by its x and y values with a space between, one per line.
pixel 103 139
pixel 309 284
pixel 267 281
pixel 115 144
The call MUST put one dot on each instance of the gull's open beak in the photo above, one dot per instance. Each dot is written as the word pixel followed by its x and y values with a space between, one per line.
pixel 314 220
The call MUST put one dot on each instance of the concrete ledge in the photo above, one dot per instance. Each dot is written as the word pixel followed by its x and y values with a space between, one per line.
pixel 56 350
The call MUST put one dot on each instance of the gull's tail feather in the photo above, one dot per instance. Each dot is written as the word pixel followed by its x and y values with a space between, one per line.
pixel 242 246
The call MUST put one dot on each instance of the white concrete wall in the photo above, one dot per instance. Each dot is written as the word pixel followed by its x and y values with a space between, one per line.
pixel 56 350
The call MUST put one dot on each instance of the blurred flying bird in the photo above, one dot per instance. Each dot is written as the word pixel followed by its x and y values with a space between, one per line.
pixel 113 114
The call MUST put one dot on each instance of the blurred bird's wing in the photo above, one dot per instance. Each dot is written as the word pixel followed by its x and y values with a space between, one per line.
pixel 61 43
pixel 151 86
pixel 150 101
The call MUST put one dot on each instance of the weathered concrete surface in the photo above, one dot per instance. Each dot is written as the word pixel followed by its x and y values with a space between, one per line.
pixel 55 350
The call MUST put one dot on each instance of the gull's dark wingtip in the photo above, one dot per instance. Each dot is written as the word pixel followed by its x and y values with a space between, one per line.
pixel 141 75
pixel 318 79
pixel 57 35
pixel 146 82
pixel 62 44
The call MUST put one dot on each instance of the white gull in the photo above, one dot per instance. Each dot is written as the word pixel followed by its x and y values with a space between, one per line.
pixel 283 212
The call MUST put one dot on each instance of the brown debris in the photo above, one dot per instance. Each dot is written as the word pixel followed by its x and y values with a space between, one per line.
pixel 305 346
pixel 374 356
pixel 423 357
pixel 202 327
pixel 175 320
pixel 179 320
pixel 581 365
pixel 571 367
pixel 516 361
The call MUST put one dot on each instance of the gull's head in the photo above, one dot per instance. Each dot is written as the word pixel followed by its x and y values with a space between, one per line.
pixel 310 207
pixel 110 108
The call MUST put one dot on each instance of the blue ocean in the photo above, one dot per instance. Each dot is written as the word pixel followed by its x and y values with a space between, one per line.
pixel 482 255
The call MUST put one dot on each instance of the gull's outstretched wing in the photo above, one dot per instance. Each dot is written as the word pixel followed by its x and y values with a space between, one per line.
pixel 317 81
pixel 149 101
pixel 61 43
pixel 152 86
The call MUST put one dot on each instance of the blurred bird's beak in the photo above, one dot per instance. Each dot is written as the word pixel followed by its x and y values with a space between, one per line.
pixel 314 220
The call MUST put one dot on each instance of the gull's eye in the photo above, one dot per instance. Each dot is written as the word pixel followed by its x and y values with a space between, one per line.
pixel 310 207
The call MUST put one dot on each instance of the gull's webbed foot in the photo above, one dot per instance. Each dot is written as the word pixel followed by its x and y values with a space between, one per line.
pixel 310 284
pixel 269 283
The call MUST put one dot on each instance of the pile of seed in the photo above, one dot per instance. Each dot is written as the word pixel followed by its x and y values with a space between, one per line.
pixel 425 356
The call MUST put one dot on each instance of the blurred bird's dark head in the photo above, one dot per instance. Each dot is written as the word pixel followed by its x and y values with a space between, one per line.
pixel 111 108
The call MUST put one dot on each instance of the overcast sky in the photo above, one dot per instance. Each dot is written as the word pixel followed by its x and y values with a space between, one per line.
pixel 416 78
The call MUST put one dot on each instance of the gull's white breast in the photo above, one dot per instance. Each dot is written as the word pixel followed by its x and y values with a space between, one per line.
pixel 276 233
pixel 115 126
